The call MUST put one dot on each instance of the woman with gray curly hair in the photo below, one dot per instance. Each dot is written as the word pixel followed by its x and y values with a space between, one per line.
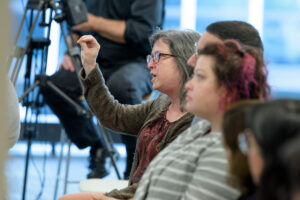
pixel 156 123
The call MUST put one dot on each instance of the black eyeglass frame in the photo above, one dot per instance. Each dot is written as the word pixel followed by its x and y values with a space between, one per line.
pixel 157 56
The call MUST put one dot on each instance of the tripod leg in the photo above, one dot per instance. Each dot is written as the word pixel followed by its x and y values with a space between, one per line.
pixel 62 142
pixel 80 109
pixel 109 148
pixel 26 168
pixel 28 90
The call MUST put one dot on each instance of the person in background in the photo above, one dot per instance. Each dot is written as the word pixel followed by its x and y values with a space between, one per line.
pixel 156 123
pixel 9 104
pixel 269 126
pixel 123 28
pixel 233 125
pixel 223 30
pixel 287 185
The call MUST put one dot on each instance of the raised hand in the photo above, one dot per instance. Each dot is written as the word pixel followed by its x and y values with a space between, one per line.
pixel 89 52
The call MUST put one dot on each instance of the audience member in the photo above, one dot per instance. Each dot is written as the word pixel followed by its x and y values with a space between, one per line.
pixel 270 125
pixel 223 30
pixel 287 185
pixel 194 166
pixel 122 27
pixel 156 123
pixel 233 124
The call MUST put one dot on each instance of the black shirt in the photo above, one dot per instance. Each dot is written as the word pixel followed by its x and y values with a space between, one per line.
pixel 142 18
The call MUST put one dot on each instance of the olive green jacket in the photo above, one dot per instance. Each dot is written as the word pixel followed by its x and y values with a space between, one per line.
pixel 127 119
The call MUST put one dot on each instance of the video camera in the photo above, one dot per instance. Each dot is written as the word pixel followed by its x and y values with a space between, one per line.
pixel 74 11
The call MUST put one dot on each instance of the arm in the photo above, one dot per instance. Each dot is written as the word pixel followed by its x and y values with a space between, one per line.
pixel 135 30
pixel 118 117
pixel 125 193
pixel 111 29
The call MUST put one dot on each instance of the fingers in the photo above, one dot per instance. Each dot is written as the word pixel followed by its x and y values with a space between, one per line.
pixel 89 40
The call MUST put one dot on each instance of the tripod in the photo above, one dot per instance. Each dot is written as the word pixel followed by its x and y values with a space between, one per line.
pixel 42 44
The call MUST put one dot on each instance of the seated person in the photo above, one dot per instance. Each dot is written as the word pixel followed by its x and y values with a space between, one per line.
pixel 156 123
pixel 233 124
pixel 197 157
pixel 224 74
pixel 288 162
pixel 223 30
pixel 123 28
pixel 269 126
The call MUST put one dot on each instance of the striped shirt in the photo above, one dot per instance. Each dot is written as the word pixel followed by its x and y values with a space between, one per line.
pixel 194 166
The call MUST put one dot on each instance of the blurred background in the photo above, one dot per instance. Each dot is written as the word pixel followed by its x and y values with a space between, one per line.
pixel 278 22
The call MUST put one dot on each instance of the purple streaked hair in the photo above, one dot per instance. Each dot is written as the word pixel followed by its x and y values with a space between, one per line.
pixel 240 69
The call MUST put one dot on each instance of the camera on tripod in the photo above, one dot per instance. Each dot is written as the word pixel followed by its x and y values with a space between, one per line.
pixel 74 11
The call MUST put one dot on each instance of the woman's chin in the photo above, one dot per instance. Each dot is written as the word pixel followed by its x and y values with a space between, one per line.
pixel 188 107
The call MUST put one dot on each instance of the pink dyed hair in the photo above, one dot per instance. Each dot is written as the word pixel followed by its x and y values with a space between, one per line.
pixel 240 69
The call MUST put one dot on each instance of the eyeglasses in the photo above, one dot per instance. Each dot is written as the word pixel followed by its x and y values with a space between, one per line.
pixel 157 56
pixel 196 50
pixel 243 141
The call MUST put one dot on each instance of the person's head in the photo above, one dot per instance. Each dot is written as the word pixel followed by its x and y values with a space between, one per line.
pixel 281 178
pixel 288 165
pixel 233 124
pixel 225 73
pixel 223 30
pixel 168 61
pixel 269 126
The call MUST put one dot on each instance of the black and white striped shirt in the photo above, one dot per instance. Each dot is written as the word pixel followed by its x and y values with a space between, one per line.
pixel 194 166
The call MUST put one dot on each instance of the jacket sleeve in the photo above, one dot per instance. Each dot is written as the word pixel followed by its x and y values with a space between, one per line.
pixel 113 115
pixel 125 193
pixel 144 17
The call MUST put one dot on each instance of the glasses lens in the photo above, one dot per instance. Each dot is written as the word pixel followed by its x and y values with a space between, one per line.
pixel 196 47
pixel 242 142
pixel 156 56
pixel 148 58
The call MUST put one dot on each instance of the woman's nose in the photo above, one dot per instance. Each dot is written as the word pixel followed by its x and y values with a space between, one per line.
pixel 150 64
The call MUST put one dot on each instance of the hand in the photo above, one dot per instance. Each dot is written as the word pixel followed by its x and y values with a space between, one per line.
pixel 86 26
pixel 101 196
pixel 89 51
pixel 67 64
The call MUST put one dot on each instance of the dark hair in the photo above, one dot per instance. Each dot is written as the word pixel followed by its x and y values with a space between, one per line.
pixel 181 44
pixel 281 178
pixel 288 164
pixel 237 30
pixel 273 123
pixel 240 69
pixel 233 124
